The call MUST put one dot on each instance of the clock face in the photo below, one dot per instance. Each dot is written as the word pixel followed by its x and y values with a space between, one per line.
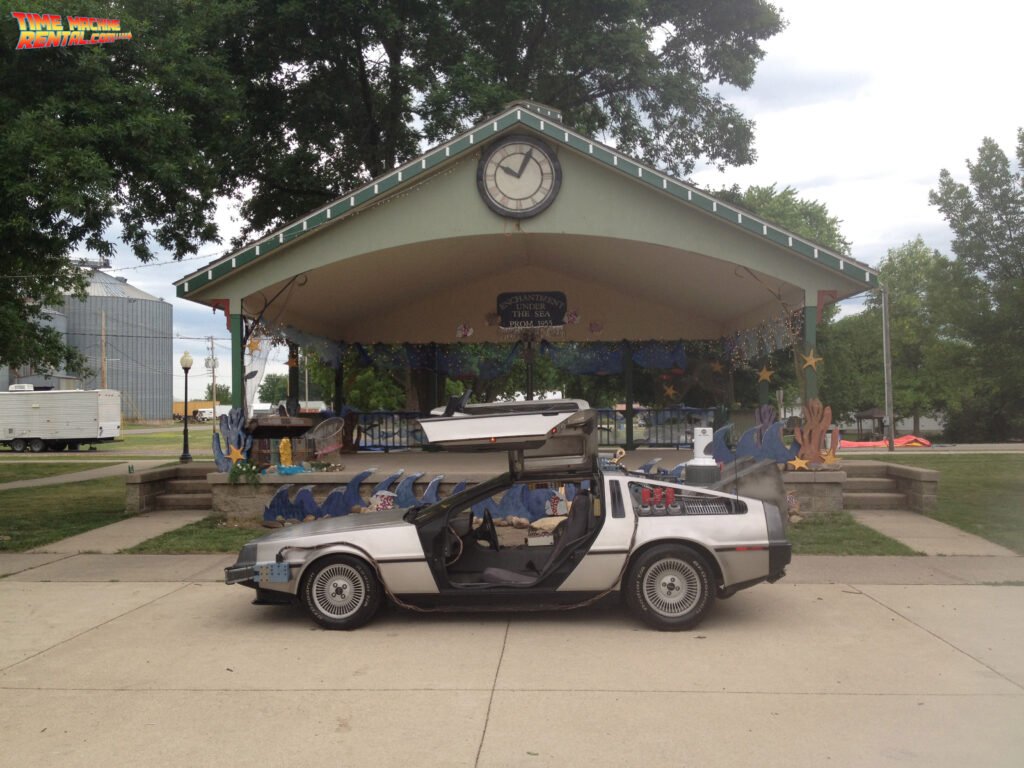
pixel 519 177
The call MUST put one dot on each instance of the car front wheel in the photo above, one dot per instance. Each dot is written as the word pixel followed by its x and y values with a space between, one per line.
pixel 670 587
pixel 341 592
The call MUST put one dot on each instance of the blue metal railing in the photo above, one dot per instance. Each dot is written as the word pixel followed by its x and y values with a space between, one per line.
pixel 389 430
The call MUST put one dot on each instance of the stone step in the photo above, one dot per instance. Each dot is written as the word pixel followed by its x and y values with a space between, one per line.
pixel 874 500
pixel 195 469
pixel 184 501
pixel 188 486
pixel 865 468
pixel 867 484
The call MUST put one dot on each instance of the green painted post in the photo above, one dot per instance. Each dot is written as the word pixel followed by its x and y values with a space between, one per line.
pixel 237 363
pixel 810 342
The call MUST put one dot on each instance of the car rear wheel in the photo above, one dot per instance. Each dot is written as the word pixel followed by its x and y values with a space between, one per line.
pixel 17 445
pixel 36 445
pixel 341 592
pixel 670 587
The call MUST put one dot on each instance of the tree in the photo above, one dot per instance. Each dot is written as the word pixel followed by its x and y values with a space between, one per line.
pixel 349 90
pixel 807 218
pixel 223 393
pixel 985 291
pixel 102 141
pixel 273 389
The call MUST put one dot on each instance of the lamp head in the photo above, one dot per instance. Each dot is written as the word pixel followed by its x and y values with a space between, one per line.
pixel 186 362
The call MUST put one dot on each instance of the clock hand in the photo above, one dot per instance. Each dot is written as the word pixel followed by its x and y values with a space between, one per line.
pixel 526 159
pixel 509 171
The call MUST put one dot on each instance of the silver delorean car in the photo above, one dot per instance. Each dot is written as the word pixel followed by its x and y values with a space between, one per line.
pixel 668 548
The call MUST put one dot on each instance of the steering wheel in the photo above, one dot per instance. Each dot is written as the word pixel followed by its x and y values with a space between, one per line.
pixel 488 532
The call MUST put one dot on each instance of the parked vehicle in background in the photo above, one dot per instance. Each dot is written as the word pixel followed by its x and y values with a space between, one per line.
pixel 55 419
pixel 668 548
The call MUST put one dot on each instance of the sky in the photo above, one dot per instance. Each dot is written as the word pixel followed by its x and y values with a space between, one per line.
pixel 858 105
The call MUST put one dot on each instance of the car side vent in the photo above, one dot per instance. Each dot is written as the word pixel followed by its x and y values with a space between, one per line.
pixel 708 505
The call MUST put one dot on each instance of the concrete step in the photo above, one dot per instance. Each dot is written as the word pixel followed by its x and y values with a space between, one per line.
pixel 188 486
pixel 865 468
pixel 184 501
pixel 867 484
pixel 195 469
pixel 874 500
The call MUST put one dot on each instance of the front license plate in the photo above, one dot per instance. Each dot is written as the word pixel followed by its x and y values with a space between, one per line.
pixel 273 573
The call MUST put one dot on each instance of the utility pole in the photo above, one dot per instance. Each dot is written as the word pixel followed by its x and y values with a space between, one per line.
pixel 890 428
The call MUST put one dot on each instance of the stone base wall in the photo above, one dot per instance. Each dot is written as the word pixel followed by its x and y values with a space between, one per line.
pixel 142 488
pixel 819 492
pixel 919 486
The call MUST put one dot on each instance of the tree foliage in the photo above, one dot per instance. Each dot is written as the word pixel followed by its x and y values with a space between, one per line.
pixel 349 90
pixel 97 141
pixel 807 218
pixel 223 393
pixel 984 292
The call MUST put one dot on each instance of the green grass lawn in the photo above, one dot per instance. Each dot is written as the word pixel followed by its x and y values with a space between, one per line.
pixel 10 471
pixel 840 534
pixel 213 534
pixel 31 517
pixel 979 493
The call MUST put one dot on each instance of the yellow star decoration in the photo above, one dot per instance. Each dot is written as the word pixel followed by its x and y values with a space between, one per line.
pixel 235 454
pixel 797 463
pixel 765 374
pixel 254 346
pixel 811 360
pixel 670 391
pixel 293 362
pixel 830 458
pixel 716 367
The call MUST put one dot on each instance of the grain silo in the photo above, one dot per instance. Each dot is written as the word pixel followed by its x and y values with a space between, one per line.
pixel 125 335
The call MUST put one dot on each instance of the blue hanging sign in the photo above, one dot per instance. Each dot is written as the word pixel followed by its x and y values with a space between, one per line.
pixel 536 309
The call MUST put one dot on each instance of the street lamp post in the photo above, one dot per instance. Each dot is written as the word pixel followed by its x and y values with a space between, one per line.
pixel 186 364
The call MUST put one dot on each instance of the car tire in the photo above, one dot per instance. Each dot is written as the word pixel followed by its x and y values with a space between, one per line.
pixel 341 592
pixel 17 445
pixel 670 587
pixel 36 445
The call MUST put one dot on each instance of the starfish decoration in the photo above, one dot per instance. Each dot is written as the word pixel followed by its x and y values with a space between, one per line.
pixel 716 367
pixel 235 454
pixel 670 391
pixel 811 360
pixel 797 463
pixel 253 345
pixel 830 458
pixel 293 362
pixel 765 374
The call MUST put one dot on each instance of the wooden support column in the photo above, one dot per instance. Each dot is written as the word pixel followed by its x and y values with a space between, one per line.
pixel 293 379
pixel 339 387
pixel 627 380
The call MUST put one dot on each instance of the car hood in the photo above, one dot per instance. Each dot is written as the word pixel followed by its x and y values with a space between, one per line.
pixel 343 524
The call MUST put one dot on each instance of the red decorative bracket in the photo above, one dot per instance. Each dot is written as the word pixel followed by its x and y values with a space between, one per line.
pixel 224 305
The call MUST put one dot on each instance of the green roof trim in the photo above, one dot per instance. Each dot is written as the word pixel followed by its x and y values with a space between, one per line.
pixel 543 120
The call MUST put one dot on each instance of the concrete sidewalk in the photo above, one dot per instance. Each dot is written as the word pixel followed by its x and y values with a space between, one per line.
pixel 115 470
pixel 98 668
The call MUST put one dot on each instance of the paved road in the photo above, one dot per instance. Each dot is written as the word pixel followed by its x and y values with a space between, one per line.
pixel 149 660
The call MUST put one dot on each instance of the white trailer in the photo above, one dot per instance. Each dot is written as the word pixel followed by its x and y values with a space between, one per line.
pixel 57 419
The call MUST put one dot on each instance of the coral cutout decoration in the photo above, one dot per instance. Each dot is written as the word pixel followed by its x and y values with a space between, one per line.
pixel 811 434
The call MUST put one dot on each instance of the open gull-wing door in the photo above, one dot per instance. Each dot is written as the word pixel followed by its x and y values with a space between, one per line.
pixel 540 436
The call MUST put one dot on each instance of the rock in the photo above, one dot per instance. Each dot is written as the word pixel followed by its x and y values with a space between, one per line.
pixel 795 518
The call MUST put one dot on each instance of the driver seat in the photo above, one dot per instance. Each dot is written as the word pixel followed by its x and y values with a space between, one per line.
pixel 567 536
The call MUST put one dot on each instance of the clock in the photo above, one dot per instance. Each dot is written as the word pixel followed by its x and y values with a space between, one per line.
pixel 519 176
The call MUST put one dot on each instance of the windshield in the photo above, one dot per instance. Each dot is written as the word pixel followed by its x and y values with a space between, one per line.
pixel 419 515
